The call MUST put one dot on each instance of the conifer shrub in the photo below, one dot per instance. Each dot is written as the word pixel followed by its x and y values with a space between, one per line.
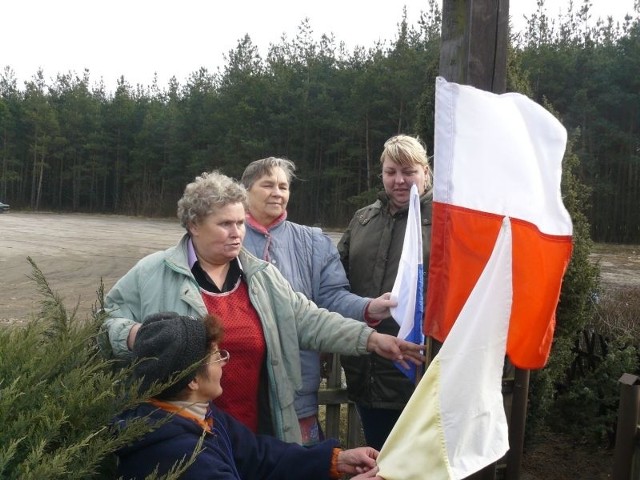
pixel 59 394
pixel 588 408
pixel 575 308
pixel 571 395
pixel 609 346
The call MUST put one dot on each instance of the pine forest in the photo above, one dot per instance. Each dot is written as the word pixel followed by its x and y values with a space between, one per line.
pixel 67 144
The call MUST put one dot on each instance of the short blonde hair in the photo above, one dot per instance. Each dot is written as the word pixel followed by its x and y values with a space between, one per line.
pixel 406 150
pixel 207 192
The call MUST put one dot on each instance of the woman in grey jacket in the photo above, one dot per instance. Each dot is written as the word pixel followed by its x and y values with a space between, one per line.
pixel 266 322
pixel 308 259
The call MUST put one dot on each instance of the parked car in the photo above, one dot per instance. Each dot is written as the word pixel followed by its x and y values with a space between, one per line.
pixel 4 207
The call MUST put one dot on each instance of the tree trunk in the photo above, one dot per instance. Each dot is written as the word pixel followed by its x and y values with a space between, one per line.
pixel 34 173
pixel 400 115
pixel 75 182
pixel 5 159
pixel 368 150
pixel 40 175
pixel 61 182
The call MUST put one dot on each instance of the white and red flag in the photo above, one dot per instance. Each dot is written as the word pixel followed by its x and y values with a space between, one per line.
pixel 498 156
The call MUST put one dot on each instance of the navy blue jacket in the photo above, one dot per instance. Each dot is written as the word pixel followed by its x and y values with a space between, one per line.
pixel 230 451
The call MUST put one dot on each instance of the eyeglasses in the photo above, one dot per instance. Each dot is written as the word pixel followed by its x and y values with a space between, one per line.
pixel 219 356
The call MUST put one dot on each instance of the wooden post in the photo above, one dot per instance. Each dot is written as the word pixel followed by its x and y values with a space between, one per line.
pixel 334 396
pixel 517 421
pixel 475 35
pixel 628 430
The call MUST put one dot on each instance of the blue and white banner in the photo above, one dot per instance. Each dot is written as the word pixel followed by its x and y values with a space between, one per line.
pixel 408 289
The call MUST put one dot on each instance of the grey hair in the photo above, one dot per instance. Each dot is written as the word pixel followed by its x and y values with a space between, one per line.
pixel 207 192
pixel 259 168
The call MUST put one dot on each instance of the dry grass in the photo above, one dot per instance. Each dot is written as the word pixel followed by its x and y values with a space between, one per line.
pixel 618 313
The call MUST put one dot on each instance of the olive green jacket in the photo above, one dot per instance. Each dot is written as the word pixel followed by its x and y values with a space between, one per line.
pixel 370 251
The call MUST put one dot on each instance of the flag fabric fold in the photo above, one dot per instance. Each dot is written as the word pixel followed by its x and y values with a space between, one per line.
pixel 408 288
pixel 497 156
pixel 454 424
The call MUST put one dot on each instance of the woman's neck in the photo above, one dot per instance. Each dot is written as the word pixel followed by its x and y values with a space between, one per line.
pixel 197 409
pixel 265 223
pixel 217 272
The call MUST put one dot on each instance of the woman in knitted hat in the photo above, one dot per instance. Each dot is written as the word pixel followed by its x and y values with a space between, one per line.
pixel 266 322
pixel 170 346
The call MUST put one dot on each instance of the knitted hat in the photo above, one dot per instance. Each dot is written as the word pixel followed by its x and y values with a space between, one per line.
pixel 167 344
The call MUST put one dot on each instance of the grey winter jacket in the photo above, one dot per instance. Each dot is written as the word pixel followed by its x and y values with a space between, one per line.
pixel 370 250
pixel 307 258
pixel 163 281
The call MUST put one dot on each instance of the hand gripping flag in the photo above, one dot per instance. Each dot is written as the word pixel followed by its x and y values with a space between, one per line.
pixel 497 156
pixel 454 424
pixel 408 288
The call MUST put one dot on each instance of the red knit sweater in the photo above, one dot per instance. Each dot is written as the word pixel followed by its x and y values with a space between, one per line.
pixel 244 339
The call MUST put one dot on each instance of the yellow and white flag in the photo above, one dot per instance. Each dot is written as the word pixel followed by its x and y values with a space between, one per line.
pixel 454 423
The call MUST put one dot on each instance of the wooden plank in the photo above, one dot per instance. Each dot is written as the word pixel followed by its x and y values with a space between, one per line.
pixel 332 396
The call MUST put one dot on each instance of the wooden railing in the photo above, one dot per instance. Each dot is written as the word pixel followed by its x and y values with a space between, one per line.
pixel 341 418
pixel 626 457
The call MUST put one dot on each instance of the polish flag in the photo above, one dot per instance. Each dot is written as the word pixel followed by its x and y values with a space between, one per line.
pixel 498 156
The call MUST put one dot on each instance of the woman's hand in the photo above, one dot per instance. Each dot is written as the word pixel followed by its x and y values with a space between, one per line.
pixel 373 473
pixel 357 460
pixel 395 349
pixel 378 308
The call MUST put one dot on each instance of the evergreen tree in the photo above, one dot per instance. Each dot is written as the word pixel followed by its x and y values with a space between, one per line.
pixel 58 396
pixel 575 308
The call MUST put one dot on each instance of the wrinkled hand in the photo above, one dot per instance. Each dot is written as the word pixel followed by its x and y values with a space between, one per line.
pixel 395 349
pixel 357 460
pixel 378 308
pixel 373 473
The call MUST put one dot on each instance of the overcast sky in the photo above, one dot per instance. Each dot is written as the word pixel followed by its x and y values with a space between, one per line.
pixel 137 38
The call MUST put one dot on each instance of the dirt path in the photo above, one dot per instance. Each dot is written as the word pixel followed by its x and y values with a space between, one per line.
pixel 619 264
pixel 74 251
